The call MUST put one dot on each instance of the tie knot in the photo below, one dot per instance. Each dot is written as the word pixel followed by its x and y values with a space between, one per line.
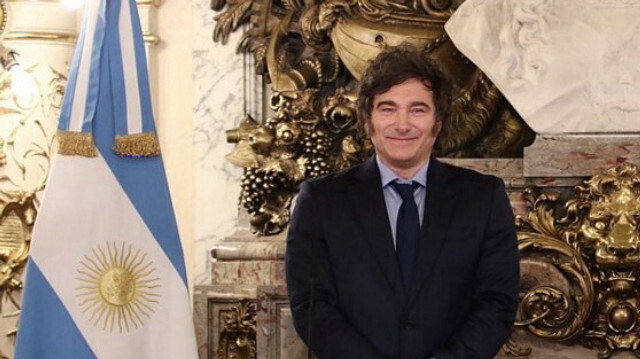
pixel 405 190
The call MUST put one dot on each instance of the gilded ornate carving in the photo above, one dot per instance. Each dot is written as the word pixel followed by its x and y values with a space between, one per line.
pixel 229 20
pixel 238 335
pixel 585 286
pixel 512 348
pixel 313 55
pixel 25 159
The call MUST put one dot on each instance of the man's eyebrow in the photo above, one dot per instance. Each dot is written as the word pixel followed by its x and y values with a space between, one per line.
pixel 393 103
pixel 386 103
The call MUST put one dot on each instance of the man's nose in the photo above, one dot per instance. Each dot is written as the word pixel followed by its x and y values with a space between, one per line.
pixel 402 121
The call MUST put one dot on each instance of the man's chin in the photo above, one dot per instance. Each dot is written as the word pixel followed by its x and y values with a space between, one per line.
pixel 406 162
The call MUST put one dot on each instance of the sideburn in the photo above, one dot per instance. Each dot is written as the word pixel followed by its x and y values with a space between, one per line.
pixel 435 131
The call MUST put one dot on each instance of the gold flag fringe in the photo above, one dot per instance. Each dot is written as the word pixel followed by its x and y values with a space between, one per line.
pixel 143 144
pixel 76 144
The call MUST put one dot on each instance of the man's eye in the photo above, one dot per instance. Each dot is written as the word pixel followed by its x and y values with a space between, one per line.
pixel 386 109
pixel 419 110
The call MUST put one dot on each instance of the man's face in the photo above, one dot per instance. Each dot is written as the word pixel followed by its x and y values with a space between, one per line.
pixel 403 126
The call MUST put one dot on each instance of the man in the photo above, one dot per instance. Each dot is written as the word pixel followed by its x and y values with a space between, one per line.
pixel 376 271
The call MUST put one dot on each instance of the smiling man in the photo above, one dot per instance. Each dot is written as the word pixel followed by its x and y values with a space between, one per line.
pixel 403 257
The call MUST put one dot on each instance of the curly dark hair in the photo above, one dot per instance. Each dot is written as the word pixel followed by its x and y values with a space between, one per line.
pixel 395 65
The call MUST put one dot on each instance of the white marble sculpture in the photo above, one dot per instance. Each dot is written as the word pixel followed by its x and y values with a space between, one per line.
pixel 567 66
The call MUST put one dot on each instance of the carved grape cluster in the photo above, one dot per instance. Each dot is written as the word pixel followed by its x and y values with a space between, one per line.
pixel 316 149
pixel 258 185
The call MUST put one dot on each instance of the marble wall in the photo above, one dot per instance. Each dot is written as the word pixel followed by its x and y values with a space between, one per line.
pixel 220 99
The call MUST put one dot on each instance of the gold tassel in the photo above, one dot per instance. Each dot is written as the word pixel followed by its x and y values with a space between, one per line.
pixel 143 144
pixel 76 144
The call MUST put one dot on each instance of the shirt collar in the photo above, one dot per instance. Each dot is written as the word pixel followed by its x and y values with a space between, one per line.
pixel 387 175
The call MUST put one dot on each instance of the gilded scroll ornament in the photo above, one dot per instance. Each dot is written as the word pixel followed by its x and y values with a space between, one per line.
pixel 238 334
pixel 589 255
pixel 313 54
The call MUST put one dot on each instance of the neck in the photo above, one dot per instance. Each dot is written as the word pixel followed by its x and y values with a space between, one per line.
pixel 405 172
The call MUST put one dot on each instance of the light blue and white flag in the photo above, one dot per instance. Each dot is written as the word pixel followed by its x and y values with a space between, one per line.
pixel 106 275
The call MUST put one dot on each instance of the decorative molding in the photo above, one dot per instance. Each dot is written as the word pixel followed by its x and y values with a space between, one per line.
pixel 40 35
pixel 3 17
pixel 238 331
pixel 276 335
pixel 211 305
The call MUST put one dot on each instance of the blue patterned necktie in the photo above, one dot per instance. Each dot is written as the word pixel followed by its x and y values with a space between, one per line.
pixel 407 231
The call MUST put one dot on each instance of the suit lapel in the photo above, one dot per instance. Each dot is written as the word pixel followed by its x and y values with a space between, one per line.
pixel 368 203
pixel 440 203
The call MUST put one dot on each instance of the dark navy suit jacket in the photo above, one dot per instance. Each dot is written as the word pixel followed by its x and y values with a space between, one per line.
pixel 343 279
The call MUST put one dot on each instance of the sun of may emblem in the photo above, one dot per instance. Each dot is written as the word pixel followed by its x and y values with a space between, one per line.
pixel 117 287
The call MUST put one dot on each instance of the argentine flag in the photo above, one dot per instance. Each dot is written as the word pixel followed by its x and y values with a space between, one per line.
pixel 106 275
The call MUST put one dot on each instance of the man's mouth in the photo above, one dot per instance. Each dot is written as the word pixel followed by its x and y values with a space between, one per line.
pixel 402 138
